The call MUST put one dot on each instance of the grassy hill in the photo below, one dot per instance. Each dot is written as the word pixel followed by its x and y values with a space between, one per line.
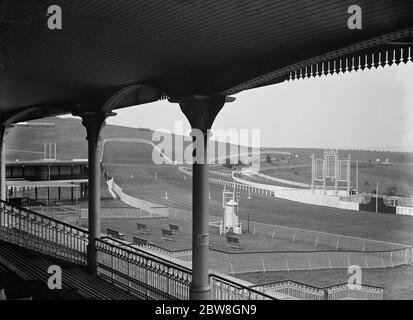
pixel 398 175
pixel 133 159
pixel 69 135
pixel 355 154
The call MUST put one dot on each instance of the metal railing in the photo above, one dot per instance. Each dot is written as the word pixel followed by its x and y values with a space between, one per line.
pixel 225 289
pixel 137 271
pixel 292 290
pixel 230 184
pixel 41 233
pixel 153 277
pixel 320 239
pixel 141 273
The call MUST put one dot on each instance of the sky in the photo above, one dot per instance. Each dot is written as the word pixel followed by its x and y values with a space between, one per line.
pixel 360 110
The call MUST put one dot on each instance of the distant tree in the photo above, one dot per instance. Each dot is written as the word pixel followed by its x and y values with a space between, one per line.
pixel 240 163
pixel 391 191
pixel 268 158
pixel 228 163
pixel 366 183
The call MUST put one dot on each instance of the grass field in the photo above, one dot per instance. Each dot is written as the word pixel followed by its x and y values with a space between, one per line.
pixel 397 282
pixel 133 169
pixel 139 180
pixel 398 175
pixel 263 209
pixel 251 243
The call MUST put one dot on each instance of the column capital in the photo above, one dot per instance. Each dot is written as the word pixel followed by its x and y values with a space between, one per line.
pixel 94 121
pixel 201 111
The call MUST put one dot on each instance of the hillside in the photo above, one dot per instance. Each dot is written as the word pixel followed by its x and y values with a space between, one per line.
pixel 70 136
pixel 131 166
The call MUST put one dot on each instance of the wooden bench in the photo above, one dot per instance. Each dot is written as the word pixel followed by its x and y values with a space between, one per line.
pixel 140 241
pixel 142 228
pixel 167 234
pixel 115 234
pixel 233 242
pixel 175 229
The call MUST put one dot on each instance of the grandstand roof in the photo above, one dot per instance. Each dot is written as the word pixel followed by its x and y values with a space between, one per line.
pixel 175 48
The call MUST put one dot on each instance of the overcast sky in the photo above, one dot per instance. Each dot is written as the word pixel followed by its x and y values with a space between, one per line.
pixel 366 109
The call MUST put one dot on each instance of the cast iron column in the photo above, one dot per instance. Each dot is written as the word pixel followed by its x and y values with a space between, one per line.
pixel 201 113
pixel 3 133
pixel 93 122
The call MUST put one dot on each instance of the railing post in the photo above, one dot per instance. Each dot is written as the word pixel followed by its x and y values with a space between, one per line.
pixel 111 267
pixel 3 133
pixel 20 220
pixel 200 112
pixel 128 262
pixel 167 281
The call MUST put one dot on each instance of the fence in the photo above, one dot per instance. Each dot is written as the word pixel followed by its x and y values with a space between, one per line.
pixel 266 261
pixel 141 273
pixel 289 289
pixel 231 184
pixel 153 277
pixel 406 211
pixel 121 213
pixel 330 251
pixel 147 274
pixel 137 271
pixel 300 195
pixel 293 290
pixel 263 178
pixel 221 174
pixel 319 239
pixel 391 200
pixel 70 214
pixel 149 207
pixel 35 231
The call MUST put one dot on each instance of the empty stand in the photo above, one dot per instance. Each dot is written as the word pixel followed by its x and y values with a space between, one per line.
pixel 32 268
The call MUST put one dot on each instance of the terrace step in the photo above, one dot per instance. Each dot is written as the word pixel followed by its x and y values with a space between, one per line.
pixel 31 267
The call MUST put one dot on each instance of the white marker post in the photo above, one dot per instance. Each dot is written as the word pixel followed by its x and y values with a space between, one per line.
pixel 377 196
